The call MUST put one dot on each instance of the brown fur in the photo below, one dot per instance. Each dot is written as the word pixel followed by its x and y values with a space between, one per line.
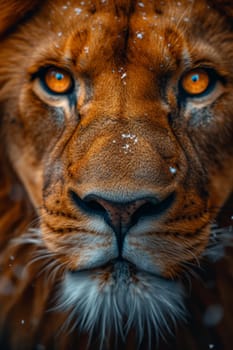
pixel 126 86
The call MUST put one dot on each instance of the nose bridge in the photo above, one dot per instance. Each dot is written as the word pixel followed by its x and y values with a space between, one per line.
pixel 123 90
pixel 125 130
pixel 124 157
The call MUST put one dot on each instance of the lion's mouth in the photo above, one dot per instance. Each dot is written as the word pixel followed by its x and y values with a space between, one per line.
pixel 119 269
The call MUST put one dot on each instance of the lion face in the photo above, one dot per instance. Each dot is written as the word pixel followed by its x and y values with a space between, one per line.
pixel 118 122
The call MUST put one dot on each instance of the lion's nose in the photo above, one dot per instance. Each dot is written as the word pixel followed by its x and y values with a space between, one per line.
pixel 122 215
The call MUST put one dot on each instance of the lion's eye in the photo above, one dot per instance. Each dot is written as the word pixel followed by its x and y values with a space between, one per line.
pixel 58 80
pixel 196 82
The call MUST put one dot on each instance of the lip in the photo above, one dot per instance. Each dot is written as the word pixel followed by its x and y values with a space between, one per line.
pixel 120 263
pixel 108 265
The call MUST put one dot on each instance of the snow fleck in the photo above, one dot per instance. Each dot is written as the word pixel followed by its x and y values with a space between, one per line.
pixel 59 34
pixel 140 35
pixel 82 3
pixel 22 321
pixel 131 137
pixel 113 141
pixel 178 3
pixel 232 217
pixel 86 49
pixel 160 37
pixel 124 75
pixel 77 10
pixel 186 19
pixel 173 170
pixel 169 45
pixel 140 4
pixel 126 147
pixel 211 346
pixel 65 7
pixel 213 315
pixel 12 257
pixel 125 136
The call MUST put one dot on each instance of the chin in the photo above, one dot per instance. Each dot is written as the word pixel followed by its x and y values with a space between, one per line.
pixel 117 298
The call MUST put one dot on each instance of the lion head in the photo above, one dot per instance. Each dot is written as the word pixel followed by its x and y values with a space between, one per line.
pixel 117 126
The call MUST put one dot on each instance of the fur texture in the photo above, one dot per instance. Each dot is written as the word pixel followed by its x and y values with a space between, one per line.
pixel 115 195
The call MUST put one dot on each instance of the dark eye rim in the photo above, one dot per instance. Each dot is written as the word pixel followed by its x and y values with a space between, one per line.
pixel 213 79
pixel 41 74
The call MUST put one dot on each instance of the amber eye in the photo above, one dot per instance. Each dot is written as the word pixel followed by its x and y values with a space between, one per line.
pixel 195 82
pixel 58 80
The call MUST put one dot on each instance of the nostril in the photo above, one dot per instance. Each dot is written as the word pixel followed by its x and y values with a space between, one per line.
pixel 153 208
pixel 88 204
pixel 122 215
pixel 93 206
pixel 131 211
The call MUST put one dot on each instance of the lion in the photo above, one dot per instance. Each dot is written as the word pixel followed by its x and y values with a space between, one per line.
pixel 116 174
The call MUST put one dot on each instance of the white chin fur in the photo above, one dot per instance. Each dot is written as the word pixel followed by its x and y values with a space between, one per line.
pixel 120 302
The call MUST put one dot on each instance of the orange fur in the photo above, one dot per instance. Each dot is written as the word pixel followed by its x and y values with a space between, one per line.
pixel 121 136
pixel 13 11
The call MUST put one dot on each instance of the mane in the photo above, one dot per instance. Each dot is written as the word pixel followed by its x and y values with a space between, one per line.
pixel 13 11
pixel 14 202
pixel 17 214
pixel 224 7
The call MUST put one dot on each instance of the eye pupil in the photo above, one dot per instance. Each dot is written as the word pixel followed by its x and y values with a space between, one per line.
pixel 59 76
pixel 195 78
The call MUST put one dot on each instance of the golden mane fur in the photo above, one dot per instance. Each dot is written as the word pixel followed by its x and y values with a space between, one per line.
pixel 110 156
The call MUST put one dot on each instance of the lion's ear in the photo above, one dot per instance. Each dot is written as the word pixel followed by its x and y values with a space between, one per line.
pixel 12 11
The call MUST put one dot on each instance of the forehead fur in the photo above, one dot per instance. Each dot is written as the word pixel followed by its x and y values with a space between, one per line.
pixel 89 30
pixel 13 11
